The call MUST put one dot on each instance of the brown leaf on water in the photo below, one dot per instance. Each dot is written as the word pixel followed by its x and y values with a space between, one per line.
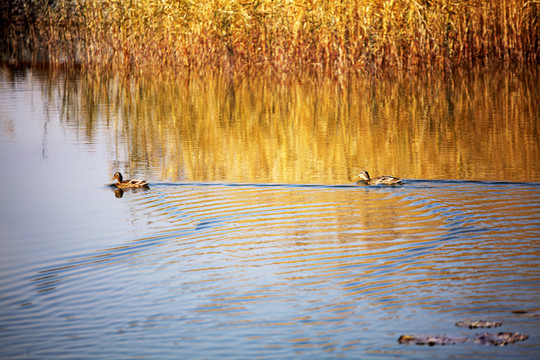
pixel 526 313
pixel 478 324
pixel 500 339
pixel 519 311
pixel 430 340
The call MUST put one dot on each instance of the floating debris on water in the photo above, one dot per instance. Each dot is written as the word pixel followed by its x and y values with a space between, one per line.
pixel 527 313
pixel 478 324
pixel 500 339
pixel 430 340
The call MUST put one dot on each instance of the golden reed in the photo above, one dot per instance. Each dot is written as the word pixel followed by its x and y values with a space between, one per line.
pixel 277 37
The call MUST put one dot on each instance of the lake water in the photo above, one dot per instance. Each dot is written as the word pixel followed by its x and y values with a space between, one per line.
pixel 253 240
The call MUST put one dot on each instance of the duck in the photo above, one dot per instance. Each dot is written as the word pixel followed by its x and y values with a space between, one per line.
pixel 381 180
pixel 125 184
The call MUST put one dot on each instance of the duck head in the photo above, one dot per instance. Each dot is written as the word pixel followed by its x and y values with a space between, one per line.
pixel 118 177
pixel 363 175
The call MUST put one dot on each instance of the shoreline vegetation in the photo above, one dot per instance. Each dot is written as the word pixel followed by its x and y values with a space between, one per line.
pixel 280 37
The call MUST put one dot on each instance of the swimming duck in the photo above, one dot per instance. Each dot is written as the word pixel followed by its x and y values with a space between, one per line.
pixel 124 184
pixel 384 180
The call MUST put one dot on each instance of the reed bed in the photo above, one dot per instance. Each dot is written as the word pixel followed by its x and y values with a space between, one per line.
pixel 275 36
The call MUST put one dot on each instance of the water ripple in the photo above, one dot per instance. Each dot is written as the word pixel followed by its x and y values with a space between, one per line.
pixel 293 259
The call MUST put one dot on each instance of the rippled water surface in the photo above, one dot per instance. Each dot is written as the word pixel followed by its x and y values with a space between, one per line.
pixel 253 241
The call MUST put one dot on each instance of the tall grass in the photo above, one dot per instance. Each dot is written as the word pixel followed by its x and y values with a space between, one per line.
pixel 282 36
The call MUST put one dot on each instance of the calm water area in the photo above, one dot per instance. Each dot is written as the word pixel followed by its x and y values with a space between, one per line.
pixel 254 240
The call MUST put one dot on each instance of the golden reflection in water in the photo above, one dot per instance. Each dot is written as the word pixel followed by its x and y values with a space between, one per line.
pixel 480 125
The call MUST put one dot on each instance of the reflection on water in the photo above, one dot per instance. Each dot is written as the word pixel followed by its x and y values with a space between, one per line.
pixel 252 240
pixel 479 126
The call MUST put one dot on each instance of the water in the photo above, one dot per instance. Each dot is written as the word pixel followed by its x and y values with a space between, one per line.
pixel 253 240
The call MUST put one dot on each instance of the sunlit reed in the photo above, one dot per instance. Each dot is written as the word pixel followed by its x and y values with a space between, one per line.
pixel 278 37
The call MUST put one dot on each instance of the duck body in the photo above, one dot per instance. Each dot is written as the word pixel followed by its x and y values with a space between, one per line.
pixel 126 184
pixel 380 180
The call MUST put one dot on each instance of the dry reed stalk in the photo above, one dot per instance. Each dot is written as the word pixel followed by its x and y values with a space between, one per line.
pixel 285 36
